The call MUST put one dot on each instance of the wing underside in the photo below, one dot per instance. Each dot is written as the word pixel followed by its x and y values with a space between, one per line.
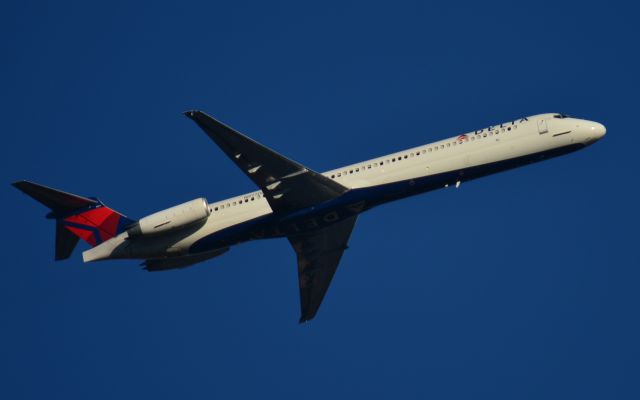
pixel 319 254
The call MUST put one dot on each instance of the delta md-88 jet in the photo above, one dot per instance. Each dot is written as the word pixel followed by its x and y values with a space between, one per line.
pixel 315 211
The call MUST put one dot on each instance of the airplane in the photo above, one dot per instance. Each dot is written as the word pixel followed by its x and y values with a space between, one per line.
pixel 315 211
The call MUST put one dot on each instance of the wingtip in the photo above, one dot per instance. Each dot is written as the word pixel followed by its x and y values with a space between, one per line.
pixel 191 113
pixel 305 318
pixel 21 185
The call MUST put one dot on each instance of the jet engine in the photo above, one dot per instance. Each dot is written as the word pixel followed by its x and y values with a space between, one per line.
pixel 171 219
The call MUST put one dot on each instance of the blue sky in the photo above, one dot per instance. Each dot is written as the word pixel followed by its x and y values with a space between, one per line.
pixel 519 285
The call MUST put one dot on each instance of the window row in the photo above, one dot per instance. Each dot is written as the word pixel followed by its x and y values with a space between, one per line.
pixel 460 140
pixel 237 202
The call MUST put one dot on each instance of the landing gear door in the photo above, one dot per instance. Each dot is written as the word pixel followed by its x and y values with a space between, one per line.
pixel 542 126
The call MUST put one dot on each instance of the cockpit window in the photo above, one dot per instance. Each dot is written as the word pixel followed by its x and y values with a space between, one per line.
pixel 561 116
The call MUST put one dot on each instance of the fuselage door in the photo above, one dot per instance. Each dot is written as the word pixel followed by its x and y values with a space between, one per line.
pixel 542 126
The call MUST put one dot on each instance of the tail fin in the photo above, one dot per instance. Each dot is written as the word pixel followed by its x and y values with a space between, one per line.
pixel 76 217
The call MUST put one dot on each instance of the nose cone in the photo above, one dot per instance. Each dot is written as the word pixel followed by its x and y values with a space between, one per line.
pixel 597 130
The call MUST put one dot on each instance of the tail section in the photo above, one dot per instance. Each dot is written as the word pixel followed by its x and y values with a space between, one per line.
pixel 76 217
pixel 66 241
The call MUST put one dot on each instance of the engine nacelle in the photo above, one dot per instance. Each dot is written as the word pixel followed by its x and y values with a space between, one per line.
pixel 172 218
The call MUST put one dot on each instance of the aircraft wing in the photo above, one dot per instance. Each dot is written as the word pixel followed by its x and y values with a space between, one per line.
pixel 319 253
pixel 287 185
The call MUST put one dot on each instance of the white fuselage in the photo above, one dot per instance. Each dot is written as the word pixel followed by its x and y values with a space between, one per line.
pixel 512 140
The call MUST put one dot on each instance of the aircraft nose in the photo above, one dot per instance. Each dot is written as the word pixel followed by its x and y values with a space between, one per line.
pixel 597 129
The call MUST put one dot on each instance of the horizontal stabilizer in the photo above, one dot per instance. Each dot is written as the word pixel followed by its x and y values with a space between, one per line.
pixel 56 200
